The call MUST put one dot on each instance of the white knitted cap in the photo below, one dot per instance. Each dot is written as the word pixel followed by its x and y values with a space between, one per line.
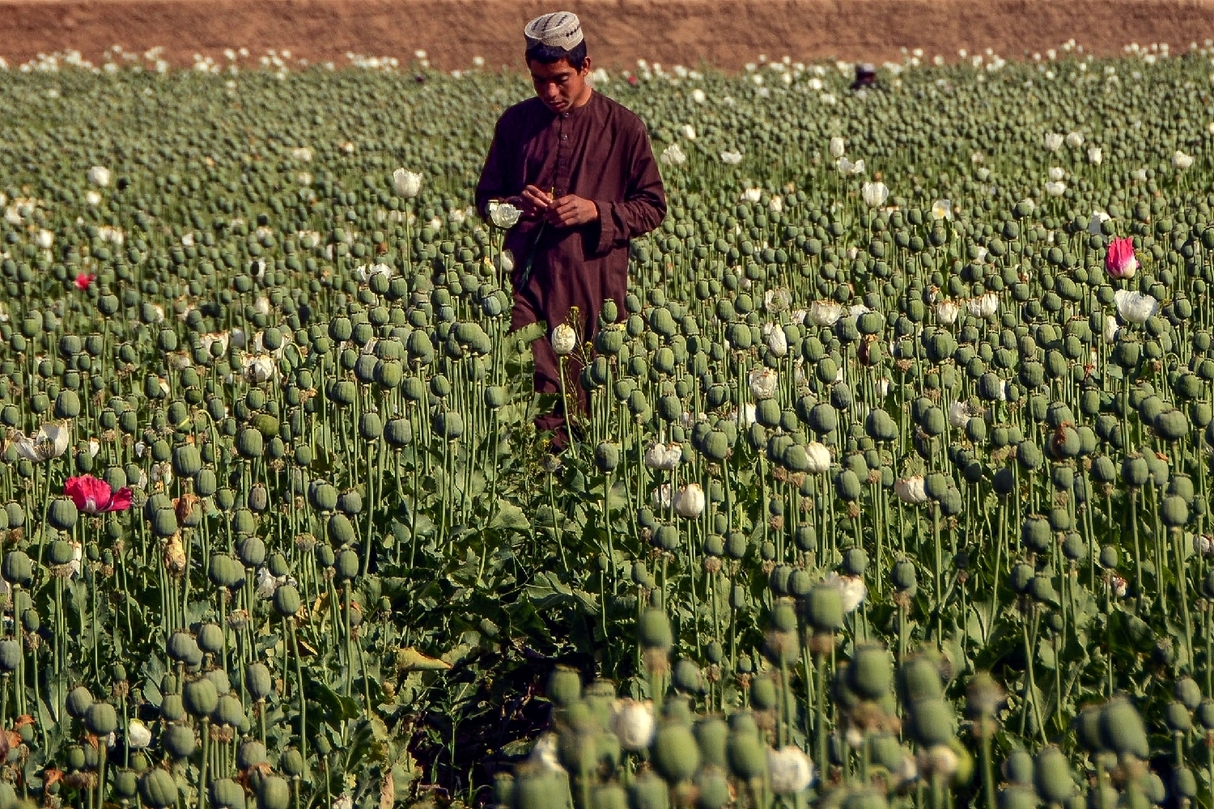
pixel 560 29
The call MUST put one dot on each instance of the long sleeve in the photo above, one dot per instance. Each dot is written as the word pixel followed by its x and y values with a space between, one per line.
pixel 494 184
pixel 644 204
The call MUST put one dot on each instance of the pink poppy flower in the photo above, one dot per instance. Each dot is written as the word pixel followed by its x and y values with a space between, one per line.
pixel 1120 261
pixel 93 496
pixel 84 280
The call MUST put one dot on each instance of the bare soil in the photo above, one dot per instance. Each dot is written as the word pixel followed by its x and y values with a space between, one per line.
pixel 690 32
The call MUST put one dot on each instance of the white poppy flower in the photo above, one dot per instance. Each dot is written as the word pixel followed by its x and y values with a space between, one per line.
pixel 1053 141
pixel 1055 189
pixel 660 497
pixel 777 342
pixel 825 313
pixel 959 415
pixel 911 490
pixel 406 184
pixel 633 723
pixel 44 239
pixel 504 215
pixel 138 735
pixel 874 194
pixel 946 312
pixel 790 772
pixel 1095 155
pixel 752 195
pixel 731 158
pixel 838 147
pixel 564 340
pixel 99 176
pixel 942 209
pixel 763 383
pixel 50 442
pixel 672 155
pixel 1135 307
pixel 1074 139
pixel 1181 161
pixel 851 588
pixel 819 457
pixel 689 501
pixel 665 457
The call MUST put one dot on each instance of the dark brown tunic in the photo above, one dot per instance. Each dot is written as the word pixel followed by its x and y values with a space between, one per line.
pixel 599 151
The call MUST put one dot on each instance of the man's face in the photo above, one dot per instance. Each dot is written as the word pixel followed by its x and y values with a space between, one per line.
pixel 558 85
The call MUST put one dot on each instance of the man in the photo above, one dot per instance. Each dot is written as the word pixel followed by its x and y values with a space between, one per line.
pixel 579 167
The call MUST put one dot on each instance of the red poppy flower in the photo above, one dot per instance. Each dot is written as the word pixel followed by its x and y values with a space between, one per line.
pixel 93 496
pixel 1119 261
pixel 84 280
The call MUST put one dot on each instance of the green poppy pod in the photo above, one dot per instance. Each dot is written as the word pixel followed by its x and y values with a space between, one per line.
pixel 274 792
pixel 287 600
pixel 932 721
pixel 62 515
pixel 228 711
pixel 210 638
pixel 178 741
pixel 78 702
pixel 746 754
pixel 712 737
pixel 687 677
pixel 67 405
pixel 1087 729
pixel 1205 714
pixel 495 397
pixel 346 565
pixel 824 609
pixel 712 789
pixel 10 655
pixel 870 673
pixel 200 697
pixel 1174 511
pixel 881 426
pixel 101 719
pixel 158 789
pixel 1184 784
pixel 674 754
pixel 250 443
pixel 1122 729
pixel 1177 717
pixel 847 486
pixel 350 502
pixel 17 567
pixel 322 495
pixel 339 529
pixel 607 456
pixel 1171 425
pixel 370 426
pixel 653 630
pixel 1188 692
pixel 1017 797
pixel 172 709
pixel 251 551
pixel 399 432
pixel 448 425
pixel 1052 776
pixel 257 681
pixel 265 424
pixel 187 461
pixel 227 794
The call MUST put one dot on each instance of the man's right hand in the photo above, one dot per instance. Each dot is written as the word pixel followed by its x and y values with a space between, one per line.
pixel 532 202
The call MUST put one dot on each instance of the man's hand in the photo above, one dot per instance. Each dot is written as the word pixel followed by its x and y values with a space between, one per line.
pixel 532 202
pixel 570 211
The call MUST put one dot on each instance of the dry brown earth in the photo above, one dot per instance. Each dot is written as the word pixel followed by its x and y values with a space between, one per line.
pixel 724 34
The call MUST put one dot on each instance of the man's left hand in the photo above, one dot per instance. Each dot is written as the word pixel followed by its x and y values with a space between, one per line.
pixel 571 211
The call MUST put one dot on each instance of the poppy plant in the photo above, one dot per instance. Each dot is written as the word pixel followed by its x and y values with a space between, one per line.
pixel 84 280
pixel 93 496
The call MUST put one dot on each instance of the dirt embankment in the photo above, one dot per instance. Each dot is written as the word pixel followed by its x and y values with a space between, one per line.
pixel 722 33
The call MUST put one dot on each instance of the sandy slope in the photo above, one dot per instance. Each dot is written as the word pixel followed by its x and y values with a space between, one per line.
pixel 725 34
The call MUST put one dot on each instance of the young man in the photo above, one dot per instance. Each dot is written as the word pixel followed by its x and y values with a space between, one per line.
pixel 580 168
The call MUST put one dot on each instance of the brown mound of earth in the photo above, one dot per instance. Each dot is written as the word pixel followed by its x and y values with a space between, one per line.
pixel 690 32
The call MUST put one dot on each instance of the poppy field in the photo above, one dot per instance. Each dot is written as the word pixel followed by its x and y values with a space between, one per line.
pixel 891 490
